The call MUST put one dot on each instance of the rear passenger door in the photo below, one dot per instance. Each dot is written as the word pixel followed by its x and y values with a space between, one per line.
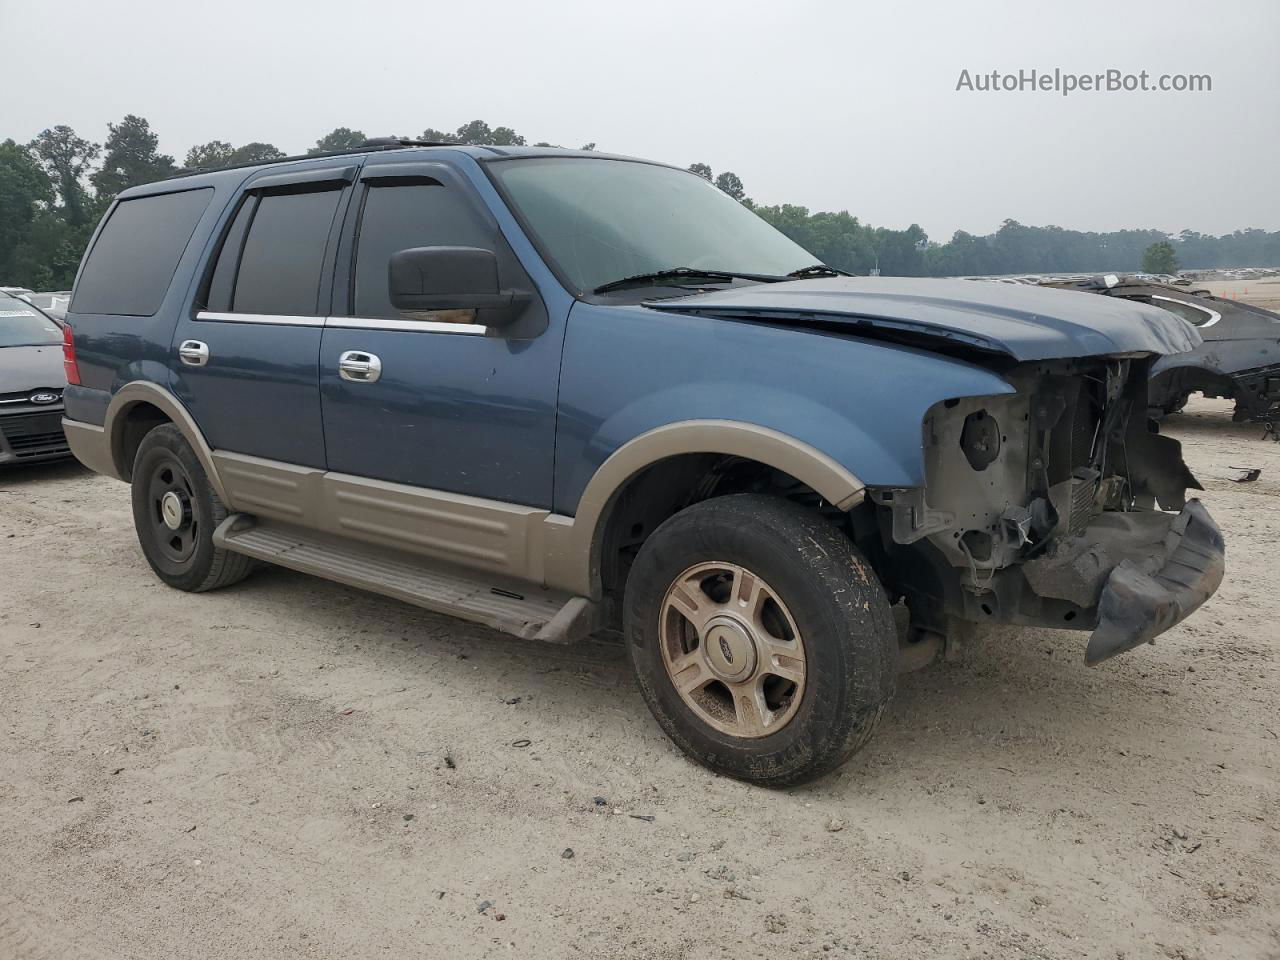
pixel 246 359
pixel 455 407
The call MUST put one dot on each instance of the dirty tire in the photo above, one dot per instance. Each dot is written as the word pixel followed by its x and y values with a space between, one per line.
pixel 184 558
pixel 838 606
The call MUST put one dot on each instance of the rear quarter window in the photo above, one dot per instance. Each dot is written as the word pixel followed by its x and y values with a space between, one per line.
pixel 133 260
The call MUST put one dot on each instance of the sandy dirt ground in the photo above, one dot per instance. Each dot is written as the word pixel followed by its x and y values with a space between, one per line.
pixel 290 768
pixel 1264 293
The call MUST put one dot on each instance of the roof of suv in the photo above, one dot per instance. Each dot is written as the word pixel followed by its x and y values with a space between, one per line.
pixel 240 170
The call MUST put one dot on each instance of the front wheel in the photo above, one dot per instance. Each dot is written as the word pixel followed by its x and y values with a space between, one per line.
pixel 761 639
pixel 175 511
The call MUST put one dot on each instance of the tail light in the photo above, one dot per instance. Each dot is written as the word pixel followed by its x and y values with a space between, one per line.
pixel 69 356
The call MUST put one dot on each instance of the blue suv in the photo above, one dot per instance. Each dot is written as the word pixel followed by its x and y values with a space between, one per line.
pixel 558 392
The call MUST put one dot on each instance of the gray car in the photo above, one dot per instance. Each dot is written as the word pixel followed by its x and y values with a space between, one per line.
pixel 31 383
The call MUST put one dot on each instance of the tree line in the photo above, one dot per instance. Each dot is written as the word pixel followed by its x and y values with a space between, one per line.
pixel 54 190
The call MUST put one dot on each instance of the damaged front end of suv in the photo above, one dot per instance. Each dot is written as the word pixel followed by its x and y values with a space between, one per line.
pixel 1057 505
pixel 1051 500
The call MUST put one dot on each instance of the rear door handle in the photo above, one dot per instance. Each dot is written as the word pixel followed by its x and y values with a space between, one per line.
pixel 194 353
pixel 359 366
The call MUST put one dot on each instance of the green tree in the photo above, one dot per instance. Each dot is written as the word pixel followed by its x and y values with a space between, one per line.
pixel 728 182
pixel 1160 258
pixel 50 252
pixel 206 156
pixel 732 185
pixel 505 137
pixel 477 133
pixel 67 158
pixel 257 153
pixel 130 158
pixel 25 189
pixel 340 138
pixel 432 135
pixel 219 153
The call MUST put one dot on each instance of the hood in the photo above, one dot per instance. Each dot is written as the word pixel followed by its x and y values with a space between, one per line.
pixel 32 368
pixel 1017 320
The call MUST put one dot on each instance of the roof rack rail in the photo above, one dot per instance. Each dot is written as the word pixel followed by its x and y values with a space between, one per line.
pixel 402 142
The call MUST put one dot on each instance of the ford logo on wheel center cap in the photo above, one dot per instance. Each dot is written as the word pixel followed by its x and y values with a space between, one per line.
pixel 44 397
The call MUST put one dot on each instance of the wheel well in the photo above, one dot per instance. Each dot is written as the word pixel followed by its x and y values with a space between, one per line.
pixel 138 420
pixel 664 488
pixel 1170 385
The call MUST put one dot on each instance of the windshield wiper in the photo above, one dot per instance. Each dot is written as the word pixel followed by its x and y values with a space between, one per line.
pixel 817 270
pixel 683 275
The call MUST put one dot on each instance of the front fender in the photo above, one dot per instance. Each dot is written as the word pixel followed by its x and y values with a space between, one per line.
pixel 722 404
pixel 1229 358
pixel 628 371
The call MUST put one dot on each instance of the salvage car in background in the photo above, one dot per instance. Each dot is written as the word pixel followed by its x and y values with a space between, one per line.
pixel 53 302
pixel 1239 359
pixel 31 384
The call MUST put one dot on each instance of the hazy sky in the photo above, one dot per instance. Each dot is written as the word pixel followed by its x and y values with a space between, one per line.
pixel 834 105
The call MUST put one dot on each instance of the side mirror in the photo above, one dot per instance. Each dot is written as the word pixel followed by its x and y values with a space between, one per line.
pixel 452 278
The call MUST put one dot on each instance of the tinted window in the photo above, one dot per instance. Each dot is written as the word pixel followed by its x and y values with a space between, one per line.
pixel 132 262
pixel 399 216
pixel 284 254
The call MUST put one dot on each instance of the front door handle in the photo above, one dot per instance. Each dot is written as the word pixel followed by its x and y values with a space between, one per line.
pixel 194 353
pixel 359 367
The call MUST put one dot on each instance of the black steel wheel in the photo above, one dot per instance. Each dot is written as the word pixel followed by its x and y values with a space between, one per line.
pixel 175 511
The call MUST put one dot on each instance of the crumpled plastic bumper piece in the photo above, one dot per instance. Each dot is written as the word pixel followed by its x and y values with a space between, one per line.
pixel 1139 604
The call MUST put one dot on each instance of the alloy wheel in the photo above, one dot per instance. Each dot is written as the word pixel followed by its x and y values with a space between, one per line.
pixel 732 649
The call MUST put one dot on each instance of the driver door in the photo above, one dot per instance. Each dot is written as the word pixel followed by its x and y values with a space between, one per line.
pixel 431 400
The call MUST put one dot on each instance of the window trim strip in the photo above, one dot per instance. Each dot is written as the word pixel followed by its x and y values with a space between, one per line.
pixel 348 323
pixel 409 326
pixel 279 320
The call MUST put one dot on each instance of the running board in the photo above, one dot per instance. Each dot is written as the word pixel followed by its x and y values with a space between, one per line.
pixel 521 609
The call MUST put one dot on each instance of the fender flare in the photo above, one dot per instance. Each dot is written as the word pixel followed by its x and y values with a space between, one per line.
pixel 573 543
pixel 144 391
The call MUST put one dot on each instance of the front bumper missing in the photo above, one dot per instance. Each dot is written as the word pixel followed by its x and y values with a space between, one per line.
pixel 1127 575
pixel 1143 598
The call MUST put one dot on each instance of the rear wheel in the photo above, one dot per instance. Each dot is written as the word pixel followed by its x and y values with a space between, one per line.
pixel 175 512
pixel 763 643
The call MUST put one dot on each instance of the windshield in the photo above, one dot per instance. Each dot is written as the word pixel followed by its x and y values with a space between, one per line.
pixel 602 220
pixel 22 325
